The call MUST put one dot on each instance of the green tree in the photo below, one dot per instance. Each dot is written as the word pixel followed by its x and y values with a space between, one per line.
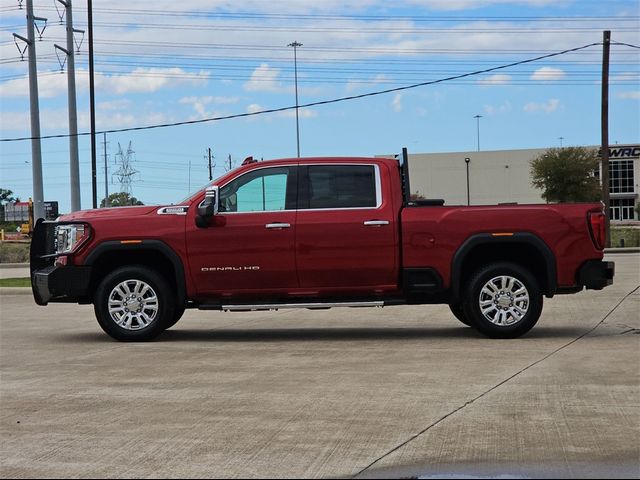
pixel 120 199
pixel 567 175
pixel 6 196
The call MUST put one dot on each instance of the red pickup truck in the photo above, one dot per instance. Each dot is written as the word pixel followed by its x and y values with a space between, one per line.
pixel 317 233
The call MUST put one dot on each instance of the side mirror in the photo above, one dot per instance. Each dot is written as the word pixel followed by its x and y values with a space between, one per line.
pixel 209 207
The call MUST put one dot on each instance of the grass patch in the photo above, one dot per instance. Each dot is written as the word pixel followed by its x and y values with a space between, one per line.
pixel 15 282
pixel 14 252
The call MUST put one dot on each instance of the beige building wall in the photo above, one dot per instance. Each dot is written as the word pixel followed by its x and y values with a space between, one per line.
pixel 494 176
pixel 500 176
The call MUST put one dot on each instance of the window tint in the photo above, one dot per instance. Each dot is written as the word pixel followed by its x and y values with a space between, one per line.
pixel 257 191
pixel 341 186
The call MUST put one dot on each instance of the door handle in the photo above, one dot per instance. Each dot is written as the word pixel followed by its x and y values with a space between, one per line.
pixel 278 225
pixel 376 223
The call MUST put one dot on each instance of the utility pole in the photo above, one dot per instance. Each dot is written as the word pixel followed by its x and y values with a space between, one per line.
pixel 561 139
pixel 74 163
pixel 92 107
pixel 106 172
pixel 478 117
pixel 606 45
pixel 295 46
pixel 36 150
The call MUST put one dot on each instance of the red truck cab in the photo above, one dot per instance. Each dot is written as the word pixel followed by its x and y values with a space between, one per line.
pixel 317 233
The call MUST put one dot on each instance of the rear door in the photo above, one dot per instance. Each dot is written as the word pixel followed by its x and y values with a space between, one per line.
pixel 346 233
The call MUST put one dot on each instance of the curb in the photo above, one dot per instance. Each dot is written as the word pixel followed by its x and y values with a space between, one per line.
pixel 15 291
pixel 622 250
pixel 14 265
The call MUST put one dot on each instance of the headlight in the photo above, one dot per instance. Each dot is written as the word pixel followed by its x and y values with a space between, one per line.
pixel 70 236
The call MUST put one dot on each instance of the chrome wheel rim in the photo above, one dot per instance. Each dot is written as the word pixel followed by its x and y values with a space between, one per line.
pixel 133 305
pixel 504 300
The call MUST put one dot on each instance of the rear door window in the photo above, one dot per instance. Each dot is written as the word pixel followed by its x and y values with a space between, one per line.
pixel 340 186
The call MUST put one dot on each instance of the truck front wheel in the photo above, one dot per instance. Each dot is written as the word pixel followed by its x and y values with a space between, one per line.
pixel 134 304
pixel 503 300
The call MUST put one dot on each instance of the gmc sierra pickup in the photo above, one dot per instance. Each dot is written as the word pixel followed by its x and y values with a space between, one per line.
pixel 317 233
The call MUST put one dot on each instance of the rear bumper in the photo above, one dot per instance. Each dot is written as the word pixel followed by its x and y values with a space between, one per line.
pixel 60 284
pixel 596 274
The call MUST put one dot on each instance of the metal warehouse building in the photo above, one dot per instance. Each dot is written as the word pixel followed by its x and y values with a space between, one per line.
pixel 503 176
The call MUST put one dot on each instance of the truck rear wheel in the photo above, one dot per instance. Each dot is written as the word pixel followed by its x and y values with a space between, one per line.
pixel 503 300
pixel 134 304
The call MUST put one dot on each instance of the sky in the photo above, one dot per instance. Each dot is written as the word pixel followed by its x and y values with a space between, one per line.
pixel 165 62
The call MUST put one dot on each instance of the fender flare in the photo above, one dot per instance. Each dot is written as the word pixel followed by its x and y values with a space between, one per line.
pixel 156 245
pixel 522 238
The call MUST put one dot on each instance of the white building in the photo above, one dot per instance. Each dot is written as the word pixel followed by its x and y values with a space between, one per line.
pixel 503 176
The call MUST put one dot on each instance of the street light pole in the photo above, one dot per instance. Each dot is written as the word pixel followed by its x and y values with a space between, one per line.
pixel 295 46
pixel 467 161
pixel 478 117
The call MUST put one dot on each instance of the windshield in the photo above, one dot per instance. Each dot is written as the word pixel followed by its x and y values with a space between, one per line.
pixel 189 198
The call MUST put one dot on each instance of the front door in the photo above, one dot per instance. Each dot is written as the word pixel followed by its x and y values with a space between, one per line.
pixel 249 246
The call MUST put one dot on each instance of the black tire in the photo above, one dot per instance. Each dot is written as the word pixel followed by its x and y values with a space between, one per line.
pixel 507 321
pixel 458 312
pixel 177 315
pixel 158 312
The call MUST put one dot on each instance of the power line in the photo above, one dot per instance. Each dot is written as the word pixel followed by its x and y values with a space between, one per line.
pixel 348 17
pixel 626 44
pixel 324 102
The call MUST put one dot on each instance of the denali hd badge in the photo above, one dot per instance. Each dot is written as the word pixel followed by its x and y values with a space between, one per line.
pixel 229 269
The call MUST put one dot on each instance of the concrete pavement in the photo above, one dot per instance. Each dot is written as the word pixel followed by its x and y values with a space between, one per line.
pixel 14 270
pixel 346 392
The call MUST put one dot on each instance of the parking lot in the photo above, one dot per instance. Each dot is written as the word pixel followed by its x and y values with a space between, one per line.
pixel 403 391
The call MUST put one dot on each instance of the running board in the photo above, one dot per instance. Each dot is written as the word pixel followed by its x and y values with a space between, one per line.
pixel 277 306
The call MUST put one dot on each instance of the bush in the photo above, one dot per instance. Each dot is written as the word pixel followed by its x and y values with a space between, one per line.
pixel 14 252
pixel 630 235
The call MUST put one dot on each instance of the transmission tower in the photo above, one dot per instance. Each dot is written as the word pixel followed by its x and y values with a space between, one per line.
pixel 125 175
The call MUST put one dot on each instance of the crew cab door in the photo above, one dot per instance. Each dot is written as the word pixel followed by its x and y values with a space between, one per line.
pixel 249 245
pixel 346 230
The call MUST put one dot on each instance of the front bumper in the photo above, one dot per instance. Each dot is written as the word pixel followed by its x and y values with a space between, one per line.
pixel 60 284
pixel 596 274
pixel 51 283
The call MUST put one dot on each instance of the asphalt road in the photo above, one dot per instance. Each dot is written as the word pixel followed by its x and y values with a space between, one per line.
pixel 403 391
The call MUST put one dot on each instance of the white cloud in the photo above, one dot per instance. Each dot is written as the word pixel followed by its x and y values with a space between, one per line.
pixel 302 112
pixel 547 107
pixel 200 104
pixel 548 74
pixel 629 95
pixel 374 81
pixel 209 99
pixel 498 109
pixel 497 79
pixel 139 80
pixel 397 102
pixel 265 79
pixel 58 119
pixel 114 104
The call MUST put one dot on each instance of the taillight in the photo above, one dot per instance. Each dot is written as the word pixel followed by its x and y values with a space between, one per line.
pixel 597 226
